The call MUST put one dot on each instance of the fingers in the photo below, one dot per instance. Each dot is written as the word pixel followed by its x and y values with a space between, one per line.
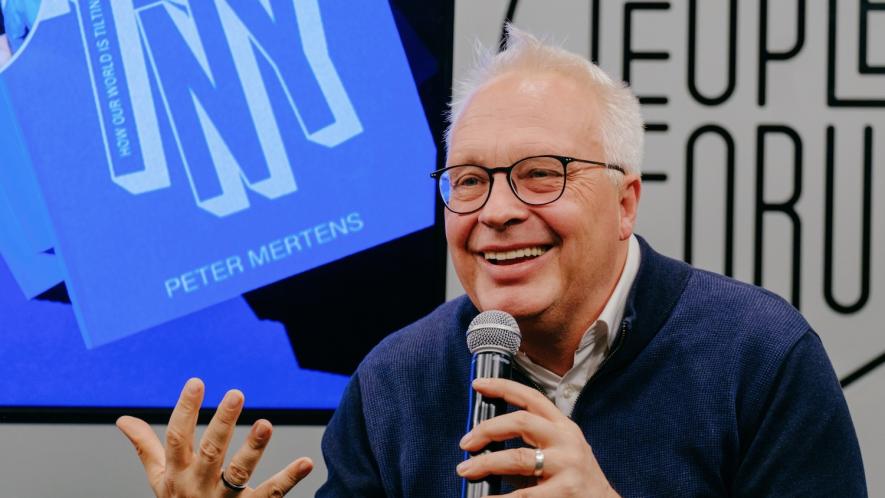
pixel 182 423
pixel 214 443
pixel 283 481
pixel 514 462
pixel 518 395
pixel 147 445
pixel 533 429
pixel 244 461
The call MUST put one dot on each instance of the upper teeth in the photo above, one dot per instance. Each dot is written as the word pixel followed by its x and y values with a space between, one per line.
pixel 518 253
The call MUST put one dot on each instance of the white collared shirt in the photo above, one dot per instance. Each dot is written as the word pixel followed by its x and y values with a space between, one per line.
pixel 595 344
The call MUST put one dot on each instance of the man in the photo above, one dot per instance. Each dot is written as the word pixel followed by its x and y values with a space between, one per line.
pixel 657 378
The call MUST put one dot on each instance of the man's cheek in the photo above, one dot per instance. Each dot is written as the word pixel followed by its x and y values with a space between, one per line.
pixel 456 236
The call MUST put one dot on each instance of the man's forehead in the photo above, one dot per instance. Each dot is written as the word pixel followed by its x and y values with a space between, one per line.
pixel 476 149
pixel 516 115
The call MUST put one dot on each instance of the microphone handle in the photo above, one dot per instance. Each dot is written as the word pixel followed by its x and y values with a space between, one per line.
pixel 489 364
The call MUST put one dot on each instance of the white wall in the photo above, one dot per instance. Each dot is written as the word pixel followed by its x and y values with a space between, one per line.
pixel 94 461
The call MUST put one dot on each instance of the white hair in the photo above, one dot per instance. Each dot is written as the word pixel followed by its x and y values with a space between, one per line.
pixel 620 124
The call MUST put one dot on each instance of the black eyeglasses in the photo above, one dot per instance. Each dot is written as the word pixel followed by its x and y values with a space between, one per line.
pixel 535 180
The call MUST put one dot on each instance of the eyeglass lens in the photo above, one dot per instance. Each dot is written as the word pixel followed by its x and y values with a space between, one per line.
pixel 537 180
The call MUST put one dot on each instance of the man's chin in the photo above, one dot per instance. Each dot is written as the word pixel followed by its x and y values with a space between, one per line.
pixel 522 305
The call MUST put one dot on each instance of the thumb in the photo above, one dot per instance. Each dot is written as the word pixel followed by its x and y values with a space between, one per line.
pixel 147 445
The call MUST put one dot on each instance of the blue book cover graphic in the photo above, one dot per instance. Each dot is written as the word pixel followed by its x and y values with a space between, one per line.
pixel 26 237
pixel 190 151
pixel 43 361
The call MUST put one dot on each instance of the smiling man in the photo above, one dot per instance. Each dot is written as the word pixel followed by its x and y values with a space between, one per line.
pixel 648 377
pixel 638 375
pixel 575 216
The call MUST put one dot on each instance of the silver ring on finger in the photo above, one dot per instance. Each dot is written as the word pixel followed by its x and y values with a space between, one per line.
pixel 231 486
pixel 539 463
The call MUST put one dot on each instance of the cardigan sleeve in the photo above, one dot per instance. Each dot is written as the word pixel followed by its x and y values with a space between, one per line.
pixel 802 442
pixel 352 467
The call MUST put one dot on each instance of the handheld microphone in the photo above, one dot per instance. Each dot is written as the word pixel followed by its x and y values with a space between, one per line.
pixel 493 337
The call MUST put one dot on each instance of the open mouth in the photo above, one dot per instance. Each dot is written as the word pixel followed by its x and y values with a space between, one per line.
pixel 515 256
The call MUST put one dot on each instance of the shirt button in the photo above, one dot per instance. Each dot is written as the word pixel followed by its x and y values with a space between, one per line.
pixel 568 392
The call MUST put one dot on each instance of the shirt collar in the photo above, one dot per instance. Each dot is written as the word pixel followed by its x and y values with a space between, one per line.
pixel 607 324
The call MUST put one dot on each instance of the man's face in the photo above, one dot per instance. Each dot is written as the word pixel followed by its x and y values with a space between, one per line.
pixel 582 235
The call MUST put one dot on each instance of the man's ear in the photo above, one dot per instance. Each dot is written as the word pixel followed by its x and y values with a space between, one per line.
pixel 631 189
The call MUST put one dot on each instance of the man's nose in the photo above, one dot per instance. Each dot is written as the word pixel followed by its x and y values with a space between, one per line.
pixel 503 207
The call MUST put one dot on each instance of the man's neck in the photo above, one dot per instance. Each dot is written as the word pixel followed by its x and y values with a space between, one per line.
pixel 552 343
pixel 555 352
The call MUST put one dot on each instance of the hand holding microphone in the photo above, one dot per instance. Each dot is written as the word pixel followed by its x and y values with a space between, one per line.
pixel 561 459
pixel 493 337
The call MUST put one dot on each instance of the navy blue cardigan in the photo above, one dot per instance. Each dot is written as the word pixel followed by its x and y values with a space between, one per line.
pixel 713 388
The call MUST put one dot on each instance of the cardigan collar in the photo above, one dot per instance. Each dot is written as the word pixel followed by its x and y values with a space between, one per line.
pixel 658 287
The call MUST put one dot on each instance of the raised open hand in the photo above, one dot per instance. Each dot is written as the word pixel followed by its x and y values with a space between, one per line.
pixel 176 471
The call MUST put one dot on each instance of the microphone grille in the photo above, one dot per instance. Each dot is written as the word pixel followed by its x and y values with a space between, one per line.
pixel 493 330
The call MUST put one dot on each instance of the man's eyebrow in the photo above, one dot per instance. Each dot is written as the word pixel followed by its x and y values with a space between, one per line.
pixel 513 155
